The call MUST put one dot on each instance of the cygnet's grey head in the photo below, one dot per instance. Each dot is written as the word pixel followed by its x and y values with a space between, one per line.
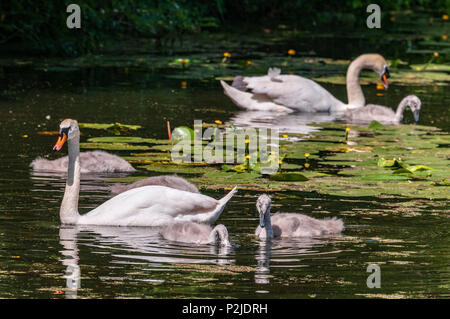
pixel 263 207
pixel 414 104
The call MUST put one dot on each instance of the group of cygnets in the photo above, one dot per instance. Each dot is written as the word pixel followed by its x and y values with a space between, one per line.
pixel 176 205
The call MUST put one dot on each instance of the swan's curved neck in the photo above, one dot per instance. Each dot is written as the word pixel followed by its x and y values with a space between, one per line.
pixel 68 212
pixel 354 92
pixel 267 231
pixel 400 109
pixel 222 232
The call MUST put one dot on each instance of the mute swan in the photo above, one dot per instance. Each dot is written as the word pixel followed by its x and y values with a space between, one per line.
pixel 91 162
pixel 289 93
pixel 384 114
pixel 292 225
pixel 143 206
pixel 189 232
pixel 172 181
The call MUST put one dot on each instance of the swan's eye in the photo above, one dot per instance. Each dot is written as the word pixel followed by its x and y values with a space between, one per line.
pixel 386 71
pixel 64 130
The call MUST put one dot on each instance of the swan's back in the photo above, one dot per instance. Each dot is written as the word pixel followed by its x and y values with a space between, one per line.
pixel 172 181
pixel 299 225
pixel 90 162
pixel 187 232
pixel 295 92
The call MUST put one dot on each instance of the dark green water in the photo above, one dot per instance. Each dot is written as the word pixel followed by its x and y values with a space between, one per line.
pixel 409 239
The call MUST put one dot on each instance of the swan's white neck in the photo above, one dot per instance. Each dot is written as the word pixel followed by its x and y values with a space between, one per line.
pixel 266 231
pixel 68 212
pixel 354 92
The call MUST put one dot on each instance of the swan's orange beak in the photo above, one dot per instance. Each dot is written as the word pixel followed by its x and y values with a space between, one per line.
pixel 385 81
pixel 61 140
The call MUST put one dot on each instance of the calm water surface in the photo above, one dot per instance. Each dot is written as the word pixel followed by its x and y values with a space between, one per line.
pixel 39 258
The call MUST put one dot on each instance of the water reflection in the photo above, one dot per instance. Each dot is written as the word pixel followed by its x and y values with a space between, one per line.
pixel 290 253
pixel 49 180
pixel 68 239
pixel 262 274
pixel 292 122
pixel 131 246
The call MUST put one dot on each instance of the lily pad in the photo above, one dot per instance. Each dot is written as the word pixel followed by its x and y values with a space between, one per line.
pixel 126 139
pixel 114 146
pixel 289 177
pixel 114 128
pixel 375 125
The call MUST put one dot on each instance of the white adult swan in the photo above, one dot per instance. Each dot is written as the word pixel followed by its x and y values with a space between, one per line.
pixel 292 225
pixel 189 232
pixel 384 114
pixel 143 206
pixel 91 162
pixel 289 93
pixel 172 181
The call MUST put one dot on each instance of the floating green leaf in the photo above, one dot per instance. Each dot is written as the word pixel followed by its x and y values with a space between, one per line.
pixel 375 125
pixel 289 177
pixel 114 128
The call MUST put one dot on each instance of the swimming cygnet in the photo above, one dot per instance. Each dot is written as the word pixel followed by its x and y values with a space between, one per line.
pixel 90 162
pixel 384 114
pixel 190 232
pixel 292 225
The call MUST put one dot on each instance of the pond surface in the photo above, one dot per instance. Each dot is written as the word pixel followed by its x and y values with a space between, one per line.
pixel 39 258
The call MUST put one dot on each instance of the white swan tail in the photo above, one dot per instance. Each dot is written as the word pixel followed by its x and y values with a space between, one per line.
pixel 240 98
pixel 227 197
pixel 250 101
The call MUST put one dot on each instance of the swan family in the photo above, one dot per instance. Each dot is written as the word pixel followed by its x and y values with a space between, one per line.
pixel 183 213
pixel 285 93
pixel 289 93
pixel 176 205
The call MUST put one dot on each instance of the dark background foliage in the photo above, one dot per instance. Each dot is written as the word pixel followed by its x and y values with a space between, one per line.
pixel 41 24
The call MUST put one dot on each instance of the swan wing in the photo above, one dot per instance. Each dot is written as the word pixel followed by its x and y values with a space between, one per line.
pixel 253 102
pixel 294 92
pixel 149 206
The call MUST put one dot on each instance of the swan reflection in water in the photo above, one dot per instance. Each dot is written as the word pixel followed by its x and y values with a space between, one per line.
pixel 290 252
pixel 129 246
pixel 290 123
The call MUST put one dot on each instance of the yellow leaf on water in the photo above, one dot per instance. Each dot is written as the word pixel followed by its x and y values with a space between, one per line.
pixel 48 133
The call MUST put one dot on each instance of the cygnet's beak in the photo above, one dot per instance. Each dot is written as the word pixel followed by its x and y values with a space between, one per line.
pixel 261 220
pixel 416 115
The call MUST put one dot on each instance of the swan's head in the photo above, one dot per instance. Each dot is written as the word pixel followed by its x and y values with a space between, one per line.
pixel 377 63
pixel 263 207
pixel 68 129
pixel 414 104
